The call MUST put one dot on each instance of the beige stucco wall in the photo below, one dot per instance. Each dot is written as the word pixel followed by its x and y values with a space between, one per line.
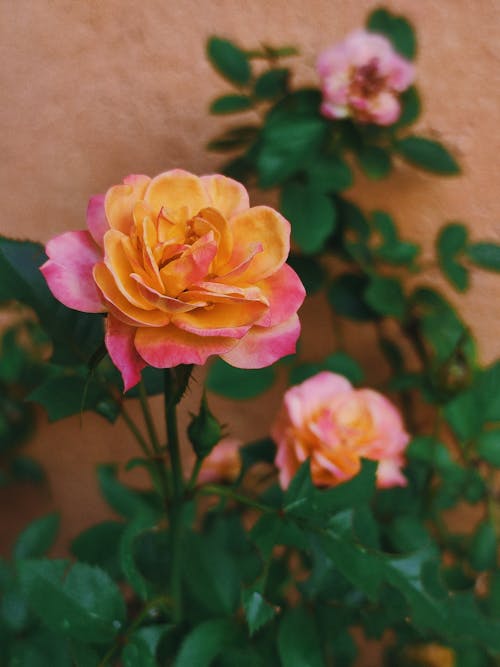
pixel 94 90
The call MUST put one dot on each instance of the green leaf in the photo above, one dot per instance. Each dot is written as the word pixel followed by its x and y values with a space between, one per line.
pixel 301 488
pixel 485 255
pixel 67 395
pixel 470 410
pixel 272 530
pixel 410 107
pixel 451 242
pixel 289 141
pixel 343 363
pixel 229 60
pixel 353 493
pixel 231 104
pixel 346 296
pixel 483 553
pixel 488 447
pixel 310 271
pixel 208 640
pixel 37 538
pixel 330 174
pixel 43 649
pixel 258 611
pixel 14 612
pixel 311 213
pixel 298 640
pixel 238 383
pixel 98 545
pixel 85 605
pixel 137 652
pixel 392 250
pixel 397 29
pixel 272 83
pixel 136 528
pixel 211 574
pixel 427 154
pixel 123 500
pixel 375 162
pixel 386 297
pixel 83 655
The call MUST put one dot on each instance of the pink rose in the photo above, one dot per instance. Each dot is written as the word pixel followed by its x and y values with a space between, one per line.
pixel 362 78
pixel 326 420
pixel 223 464
pixel 184 269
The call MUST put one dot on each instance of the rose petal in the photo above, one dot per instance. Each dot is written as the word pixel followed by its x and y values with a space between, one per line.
pixel 227 195
pixel 180 193
pixel 285 294
pixel 119 341
pixel 169 346
pixel 389 474
pixel 68 271
pixel 231 319
pixel 193 265
pixel 121 307
pixel 96 218
pixel 264 226
pixel 301 402
pixel 116 259
pixel 263 346
pixel 120 200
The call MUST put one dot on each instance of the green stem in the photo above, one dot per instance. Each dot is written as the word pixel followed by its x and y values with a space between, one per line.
pixel 148 418
pixel 176 505
pixel 225 492
pixel 172 433
pixel 194 475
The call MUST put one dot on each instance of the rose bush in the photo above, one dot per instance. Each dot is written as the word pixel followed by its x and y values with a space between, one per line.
pixel 326 420
pixel 185 269
pixel 362 77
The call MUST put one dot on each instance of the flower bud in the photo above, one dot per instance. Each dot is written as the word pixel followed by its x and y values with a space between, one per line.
pixel 204 431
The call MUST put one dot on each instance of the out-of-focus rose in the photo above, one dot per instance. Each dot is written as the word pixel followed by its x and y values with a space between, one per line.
pixel 363 77
pixel 431 655
pixel 326 420
pixel 223 464
pixel 185 270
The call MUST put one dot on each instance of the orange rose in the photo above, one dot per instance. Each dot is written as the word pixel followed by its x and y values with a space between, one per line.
pixel 185 270
pixel 326 420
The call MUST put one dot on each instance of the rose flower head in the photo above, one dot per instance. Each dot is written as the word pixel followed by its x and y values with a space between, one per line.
pixel 326 420
pixel 184 269
pixel 362 77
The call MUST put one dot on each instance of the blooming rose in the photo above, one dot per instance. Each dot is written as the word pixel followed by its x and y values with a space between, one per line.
pixel 223 464
pixel 362 77
pixel 185 270
pixel 334 425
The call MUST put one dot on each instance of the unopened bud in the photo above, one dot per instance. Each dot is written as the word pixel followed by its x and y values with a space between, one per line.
pixel 204 431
